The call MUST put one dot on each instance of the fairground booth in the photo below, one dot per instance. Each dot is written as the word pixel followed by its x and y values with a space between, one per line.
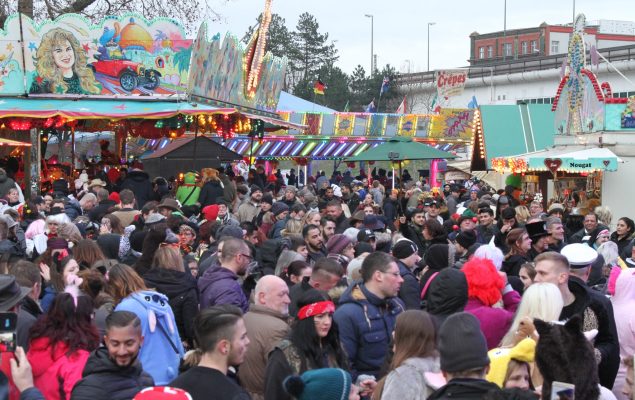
pixel 98 96
pixel 577 149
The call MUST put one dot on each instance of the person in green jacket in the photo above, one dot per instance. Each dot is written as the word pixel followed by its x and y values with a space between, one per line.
pixel 187 194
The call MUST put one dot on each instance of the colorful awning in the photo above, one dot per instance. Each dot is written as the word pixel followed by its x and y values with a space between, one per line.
pixel 101 109
pixel 573 159
pixel 314 149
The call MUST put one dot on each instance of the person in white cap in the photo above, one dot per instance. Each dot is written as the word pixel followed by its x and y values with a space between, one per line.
pixel 593 307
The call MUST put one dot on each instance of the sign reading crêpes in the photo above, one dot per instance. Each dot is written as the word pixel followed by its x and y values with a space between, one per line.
pixel 450 82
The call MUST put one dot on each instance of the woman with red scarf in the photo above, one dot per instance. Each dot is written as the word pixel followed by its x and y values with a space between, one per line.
pixel 313 343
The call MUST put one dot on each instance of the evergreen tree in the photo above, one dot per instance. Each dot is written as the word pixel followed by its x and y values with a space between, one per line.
pixel 309 51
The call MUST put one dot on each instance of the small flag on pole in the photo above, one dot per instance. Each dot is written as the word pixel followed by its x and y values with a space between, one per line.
pixel 318 87
pixel 346 107
pixel 370 108
pixel 384 86
pixel 402 107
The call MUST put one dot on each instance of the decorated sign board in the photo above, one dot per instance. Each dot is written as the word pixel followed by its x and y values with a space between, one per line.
pixel 225 72
pixel 451 125
pixel 628 115
pixel 124 55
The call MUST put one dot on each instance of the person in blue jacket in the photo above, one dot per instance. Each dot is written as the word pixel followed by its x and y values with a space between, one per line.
pixel 367 313
pixel 162 347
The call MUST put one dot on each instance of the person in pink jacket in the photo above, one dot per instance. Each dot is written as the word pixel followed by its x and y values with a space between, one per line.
pixel 61 341
pixel 486 287
pixel 623 305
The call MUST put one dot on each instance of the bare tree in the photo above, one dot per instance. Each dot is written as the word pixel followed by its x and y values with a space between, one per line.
pixel 419 100
pixel 189 12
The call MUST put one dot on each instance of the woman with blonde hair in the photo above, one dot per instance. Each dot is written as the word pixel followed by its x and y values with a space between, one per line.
pixel 212 190
pixel 522 214
pixel 541 300
pixel 415 354
pixel 62 66
pixel 291 228
pixel 312 218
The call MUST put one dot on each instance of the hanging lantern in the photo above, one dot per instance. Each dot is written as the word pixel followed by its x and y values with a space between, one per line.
pixel 350 164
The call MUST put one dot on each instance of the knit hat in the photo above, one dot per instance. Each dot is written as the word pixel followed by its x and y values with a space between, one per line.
pixel 154 218
pixel 404 249
pixel 267 198
pixel 462 345
pixel 114 196
pixel 466 239
pixel 319 384
pixel 337 243
pixel 440 256
pixel 255 188
pixel 210 212
pixel 363 247
pixel 230 231
pixel 278 208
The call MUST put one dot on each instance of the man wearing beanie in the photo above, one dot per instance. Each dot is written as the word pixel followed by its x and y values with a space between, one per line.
pixel 464 360
pixel 463 242
pixel 407 256
pixel 248 210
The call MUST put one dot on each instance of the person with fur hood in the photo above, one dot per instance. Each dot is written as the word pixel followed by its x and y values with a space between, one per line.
pixel 213 188
pixel 486 288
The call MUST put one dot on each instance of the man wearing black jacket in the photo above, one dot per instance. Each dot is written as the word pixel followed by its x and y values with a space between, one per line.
pixel 114 372
pixel 407 256
pixel 569 271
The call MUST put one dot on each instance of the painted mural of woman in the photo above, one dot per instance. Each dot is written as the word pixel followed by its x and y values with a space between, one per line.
pixel 61 65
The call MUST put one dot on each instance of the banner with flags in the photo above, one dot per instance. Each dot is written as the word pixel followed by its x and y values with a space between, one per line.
pixel 402 107
pixel 384 85
pixel 318 87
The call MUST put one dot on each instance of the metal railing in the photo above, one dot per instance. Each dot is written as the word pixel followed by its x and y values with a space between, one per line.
pixel 498 66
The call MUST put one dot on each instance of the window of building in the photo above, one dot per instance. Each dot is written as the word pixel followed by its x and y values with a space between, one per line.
pixel 554 46
pixel 524 47
pixel 534 46
pixel 481 52
pixel 507 49
pixel 490 52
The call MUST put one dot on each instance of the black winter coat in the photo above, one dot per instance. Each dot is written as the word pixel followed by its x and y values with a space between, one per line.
pixel 211 193
pixel 409 292
pixel 511 266
pixel 588 303
pixel 103 379
pixel 465 389
pixel 182 292
pixel 139 183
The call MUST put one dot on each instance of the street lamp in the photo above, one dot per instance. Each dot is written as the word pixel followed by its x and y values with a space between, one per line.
pixel 429 24
pixel 408 61
pixel 372 22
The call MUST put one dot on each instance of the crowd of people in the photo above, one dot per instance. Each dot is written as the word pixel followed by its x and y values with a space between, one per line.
pixel 253 287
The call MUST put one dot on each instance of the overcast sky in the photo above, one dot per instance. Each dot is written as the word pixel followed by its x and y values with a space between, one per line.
pixel 400 26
